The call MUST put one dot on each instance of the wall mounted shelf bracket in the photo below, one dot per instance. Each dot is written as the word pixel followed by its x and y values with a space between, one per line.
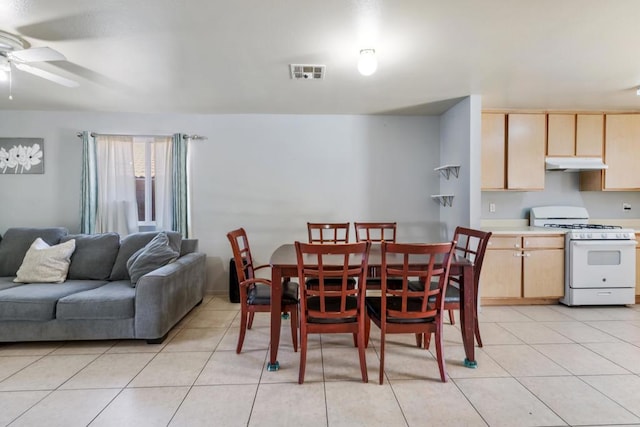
pixel 448 170
pixel 443 199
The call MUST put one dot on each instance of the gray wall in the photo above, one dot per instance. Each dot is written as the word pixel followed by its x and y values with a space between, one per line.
pixel 268 173
pixel 561 188
pixel 460 136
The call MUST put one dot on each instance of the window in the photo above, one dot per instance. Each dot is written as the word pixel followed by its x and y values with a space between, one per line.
pixel 144 165
pixel 134 183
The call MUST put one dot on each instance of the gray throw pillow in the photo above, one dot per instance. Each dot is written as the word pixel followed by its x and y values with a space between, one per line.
pixel 132 243
pixel 94 255
pixel 16 242
pixel 155 254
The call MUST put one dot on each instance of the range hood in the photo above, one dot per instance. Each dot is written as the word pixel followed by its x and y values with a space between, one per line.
pixel 574 164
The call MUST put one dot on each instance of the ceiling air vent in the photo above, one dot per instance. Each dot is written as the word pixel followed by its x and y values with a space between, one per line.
pixel 307 71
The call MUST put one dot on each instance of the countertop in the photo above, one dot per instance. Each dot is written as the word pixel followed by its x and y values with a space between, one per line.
pixel 521 226
pixel 525 230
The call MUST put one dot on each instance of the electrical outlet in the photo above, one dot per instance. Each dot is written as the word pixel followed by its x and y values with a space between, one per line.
pixel 626 206
pixel 492 207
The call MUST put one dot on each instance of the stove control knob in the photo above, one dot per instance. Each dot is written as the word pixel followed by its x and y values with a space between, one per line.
pixel 589 235
pixel 603 235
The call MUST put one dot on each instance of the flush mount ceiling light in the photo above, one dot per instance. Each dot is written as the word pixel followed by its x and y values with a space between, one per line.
pixel 367 64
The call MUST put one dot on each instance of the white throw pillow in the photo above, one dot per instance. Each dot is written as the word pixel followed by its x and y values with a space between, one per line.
pixel 46 264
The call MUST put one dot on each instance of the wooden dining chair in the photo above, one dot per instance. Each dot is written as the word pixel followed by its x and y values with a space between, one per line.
pixel 376 232
pixel 404 310
pixel 330 309
pixel 325 233
pixel 329 232
pixel 471 244
pixel 255 293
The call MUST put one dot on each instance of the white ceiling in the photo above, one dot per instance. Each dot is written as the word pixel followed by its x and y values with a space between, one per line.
pixel 233 56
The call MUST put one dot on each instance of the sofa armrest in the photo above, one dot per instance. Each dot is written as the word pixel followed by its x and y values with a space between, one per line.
pixel 167 294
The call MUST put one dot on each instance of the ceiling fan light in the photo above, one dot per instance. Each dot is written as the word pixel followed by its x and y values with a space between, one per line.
pixel 368 63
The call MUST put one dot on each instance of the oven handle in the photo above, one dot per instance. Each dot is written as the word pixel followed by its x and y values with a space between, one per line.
pixel 604 242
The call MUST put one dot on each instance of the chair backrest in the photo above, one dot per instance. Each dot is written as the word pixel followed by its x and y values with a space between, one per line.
pixel 410 262
pixel 324 262
pixel 241 254
pixel 472 244
pixel 332 232
pixel 375 232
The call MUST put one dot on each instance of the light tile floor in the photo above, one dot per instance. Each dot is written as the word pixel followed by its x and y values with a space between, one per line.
pixel 540 366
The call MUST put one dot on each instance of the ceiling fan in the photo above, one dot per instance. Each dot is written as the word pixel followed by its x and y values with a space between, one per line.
pixel 17 53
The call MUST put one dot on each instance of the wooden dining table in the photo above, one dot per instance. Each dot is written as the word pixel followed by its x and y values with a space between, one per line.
pixel 284 265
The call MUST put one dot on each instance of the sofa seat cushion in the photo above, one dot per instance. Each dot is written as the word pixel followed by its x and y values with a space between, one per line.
pixel 37 301
pixel 114 300
pixel 7 282
pixel 16 242
pixel 94 255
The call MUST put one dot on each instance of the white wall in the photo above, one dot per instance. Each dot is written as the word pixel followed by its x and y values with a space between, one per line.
pixel 268 173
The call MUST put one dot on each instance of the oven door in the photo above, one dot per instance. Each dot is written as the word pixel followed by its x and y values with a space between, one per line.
pixel 602 263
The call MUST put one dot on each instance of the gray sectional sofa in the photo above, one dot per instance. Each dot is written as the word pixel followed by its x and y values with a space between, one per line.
pixel 98 299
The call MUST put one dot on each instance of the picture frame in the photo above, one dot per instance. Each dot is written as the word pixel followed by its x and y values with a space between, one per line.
pixel 21 156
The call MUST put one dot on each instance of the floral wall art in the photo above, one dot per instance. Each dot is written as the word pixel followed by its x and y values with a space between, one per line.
pixel 21 155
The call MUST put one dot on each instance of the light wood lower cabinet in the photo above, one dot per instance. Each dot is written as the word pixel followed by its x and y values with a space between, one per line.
pixel 519 267
pixel 637 265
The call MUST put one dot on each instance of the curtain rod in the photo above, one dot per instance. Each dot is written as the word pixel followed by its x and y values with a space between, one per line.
pixel 184 136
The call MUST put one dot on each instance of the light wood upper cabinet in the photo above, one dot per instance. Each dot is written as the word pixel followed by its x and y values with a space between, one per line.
pixel 622 156
pixel 589 135
pixel 493 151
pixel 526 141
pixel 570 135
pixel 622 139
pixel 561 135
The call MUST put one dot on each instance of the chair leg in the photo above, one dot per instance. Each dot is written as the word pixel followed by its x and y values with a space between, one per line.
pixel 362 353
pixel 303 353
pixel 452 317
pixel 250 323
pixel 427 341
pixel 418 340
pixel 440 355
pixel 294 328
pixel 243 329
pixel 367 330
pixel 382 339
pixel 477 333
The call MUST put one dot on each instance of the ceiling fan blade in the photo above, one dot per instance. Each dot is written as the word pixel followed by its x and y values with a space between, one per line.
pixel 46 75
pixel 36 54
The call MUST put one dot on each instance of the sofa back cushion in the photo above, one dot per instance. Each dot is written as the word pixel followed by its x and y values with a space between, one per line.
pixel 132 243
pixel 16 242
pixel 94 256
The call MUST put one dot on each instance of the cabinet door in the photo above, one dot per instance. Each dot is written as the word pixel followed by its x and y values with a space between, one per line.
pixel 622 148
pixel 525 151
pixel 543 273
pixel 589 135
pixel 501 274
pixel 551 242
pixel 493 151
pixel 638 264
pixel 561 135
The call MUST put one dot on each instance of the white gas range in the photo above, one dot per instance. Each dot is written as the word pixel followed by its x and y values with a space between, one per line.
pixel 600 260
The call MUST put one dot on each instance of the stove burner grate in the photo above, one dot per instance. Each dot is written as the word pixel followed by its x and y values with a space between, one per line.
pixel 584 226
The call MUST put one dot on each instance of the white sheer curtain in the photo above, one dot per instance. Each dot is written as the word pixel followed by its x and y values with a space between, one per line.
pixel 164 175
pixel 117 209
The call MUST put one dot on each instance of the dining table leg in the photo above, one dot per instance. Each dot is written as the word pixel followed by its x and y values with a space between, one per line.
pixel 276 310
pixel 468 315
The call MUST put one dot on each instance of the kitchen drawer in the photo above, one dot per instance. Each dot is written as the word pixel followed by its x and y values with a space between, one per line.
pixel 534 242
pixel 504 242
